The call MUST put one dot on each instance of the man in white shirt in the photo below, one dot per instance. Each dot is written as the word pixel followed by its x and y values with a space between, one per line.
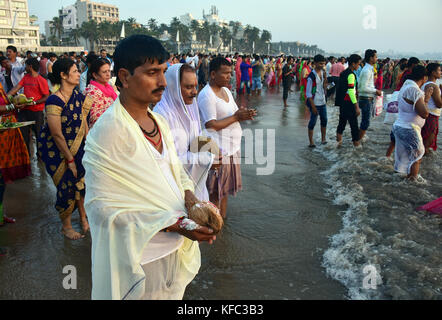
pixel 18 68
pixel 221 117
pixel 133 258
pixel 367 90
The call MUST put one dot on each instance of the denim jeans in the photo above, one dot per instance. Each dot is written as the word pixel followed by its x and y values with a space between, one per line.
pixel 247 83
pixel 322 113
pixel 366 106
pixel 257 84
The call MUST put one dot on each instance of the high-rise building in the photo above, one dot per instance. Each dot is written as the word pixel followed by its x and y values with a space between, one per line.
pixel 15 25
pixel 88 10
pixel 75 15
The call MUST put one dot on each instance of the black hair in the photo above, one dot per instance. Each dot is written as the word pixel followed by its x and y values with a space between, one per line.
pixel 432 67
pixel 135 51
pixel 217 63
pixel 369 54
pixel 412 61
pixel 319 58
pixel 28 52
pixel 52 55
pixel 3 58
pixel 91 58
pixel 60 66
pixel 33 63
pixel 14 49
pixel 103 50
pixel 95 68
pixel 186 68
pixel 354 58
pixel 71 54
pixel 418 73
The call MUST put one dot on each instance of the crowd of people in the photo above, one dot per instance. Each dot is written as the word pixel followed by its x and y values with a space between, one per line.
pixel 137 141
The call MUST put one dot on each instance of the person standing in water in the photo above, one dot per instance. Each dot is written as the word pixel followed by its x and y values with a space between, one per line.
pixel 430 130
pixel 346 99
pixel 316 100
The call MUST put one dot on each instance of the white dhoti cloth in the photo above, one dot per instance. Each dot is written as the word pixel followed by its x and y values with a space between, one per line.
pixel 128 202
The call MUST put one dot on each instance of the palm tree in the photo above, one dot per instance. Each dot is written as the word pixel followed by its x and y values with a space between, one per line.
pixel 214 32
pixel 57 28
pixel 104 31
pixel 225 36
pixel 75 35
pixel 53 40
pixel 153 25
pixel 197 29
pixel 266 36
pixel 251 34
pixel 206 32
pixel 89 30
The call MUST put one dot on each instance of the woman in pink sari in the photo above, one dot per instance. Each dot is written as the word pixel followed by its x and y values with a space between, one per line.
pixel 99 89
pixel 238 74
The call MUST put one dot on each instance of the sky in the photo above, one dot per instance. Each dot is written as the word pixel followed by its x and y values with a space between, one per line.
pixel 335 26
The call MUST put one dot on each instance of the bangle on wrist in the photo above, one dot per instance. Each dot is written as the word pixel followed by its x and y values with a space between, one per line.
pixel 69 162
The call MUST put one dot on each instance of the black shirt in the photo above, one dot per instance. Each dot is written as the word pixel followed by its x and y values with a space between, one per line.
pixel 286 79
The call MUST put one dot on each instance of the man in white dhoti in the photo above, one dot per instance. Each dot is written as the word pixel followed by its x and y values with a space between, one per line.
pixel 179 107
pixel 138 194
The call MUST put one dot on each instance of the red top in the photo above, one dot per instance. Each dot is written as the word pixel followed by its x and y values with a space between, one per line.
pixel 43 69
pixel 35 88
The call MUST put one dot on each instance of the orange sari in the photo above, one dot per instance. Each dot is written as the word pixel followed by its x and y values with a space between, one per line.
pixel 14 157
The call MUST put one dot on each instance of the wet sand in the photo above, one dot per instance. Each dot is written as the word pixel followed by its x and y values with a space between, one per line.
pixel 272 247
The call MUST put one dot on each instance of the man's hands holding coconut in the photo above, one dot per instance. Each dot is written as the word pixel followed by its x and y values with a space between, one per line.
pixel 204 221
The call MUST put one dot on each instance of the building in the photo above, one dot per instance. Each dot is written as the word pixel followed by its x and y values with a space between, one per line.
pixel 88 10
pixel 16 27
pixel 75 15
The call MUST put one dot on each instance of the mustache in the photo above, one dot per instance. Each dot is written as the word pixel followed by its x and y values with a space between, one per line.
pixel 159 90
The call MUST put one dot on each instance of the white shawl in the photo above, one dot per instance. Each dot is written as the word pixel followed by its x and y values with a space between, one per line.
pixel 185 124
pixel 128 201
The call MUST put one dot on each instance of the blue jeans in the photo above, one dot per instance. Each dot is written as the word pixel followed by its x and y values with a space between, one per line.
pixel 322 113
pixel 366 106
pixel 257 84
pixel 247 83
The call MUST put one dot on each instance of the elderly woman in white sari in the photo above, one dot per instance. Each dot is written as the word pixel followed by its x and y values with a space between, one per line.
pixel 137 193
pixel 413 111
pixel 180 109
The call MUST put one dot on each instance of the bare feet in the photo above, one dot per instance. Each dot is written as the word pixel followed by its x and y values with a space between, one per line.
pixel 71 234
pixel 339 145
pixel 85 226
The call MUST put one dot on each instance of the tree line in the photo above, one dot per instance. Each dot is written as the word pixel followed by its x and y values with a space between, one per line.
pixel 103 33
